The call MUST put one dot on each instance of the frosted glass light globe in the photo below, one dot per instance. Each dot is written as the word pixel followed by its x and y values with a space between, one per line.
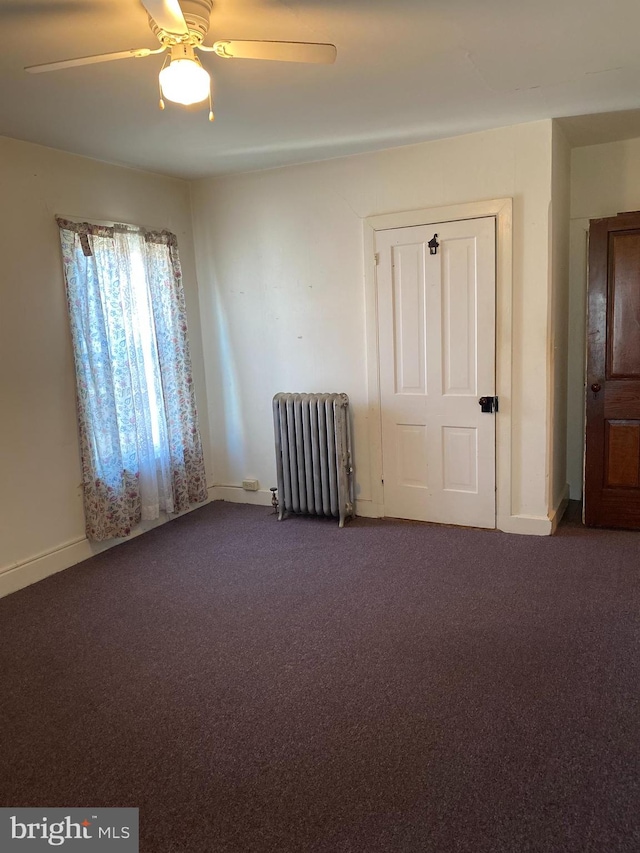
pixel 185 82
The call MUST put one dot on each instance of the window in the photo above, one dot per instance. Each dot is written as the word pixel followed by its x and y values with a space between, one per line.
pixel 140 443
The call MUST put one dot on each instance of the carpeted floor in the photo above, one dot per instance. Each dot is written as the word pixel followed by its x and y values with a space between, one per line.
pixel 255 686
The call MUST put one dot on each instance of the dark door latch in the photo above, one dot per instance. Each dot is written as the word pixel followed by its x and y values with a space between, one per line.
pixel 488 404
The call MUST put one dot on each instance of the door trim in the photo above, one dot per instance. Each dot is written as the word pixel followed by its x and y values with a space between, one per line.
pixel 502 210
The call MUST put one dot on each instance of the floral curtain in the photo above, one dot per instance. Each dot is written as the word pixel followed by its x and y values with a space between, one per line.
pixel 140 444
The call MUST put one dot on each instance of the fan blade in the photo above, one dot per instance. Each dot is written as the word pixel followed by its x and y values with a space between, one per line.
pixel 282 51
pixel 90 60
pixel 168 15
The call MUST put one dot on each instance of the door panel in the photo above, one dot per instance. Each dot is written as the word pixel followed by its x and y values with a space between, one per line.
pixel 624 311
pixel 436 327
pixel 412 464
pixel 459 316
pixel 409 322
pixel 623 450
pixel 612 462
pixel 460 448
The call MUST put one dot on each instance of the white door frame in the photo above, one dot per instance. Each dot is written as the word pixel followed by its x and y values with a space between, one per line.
pixel 502 210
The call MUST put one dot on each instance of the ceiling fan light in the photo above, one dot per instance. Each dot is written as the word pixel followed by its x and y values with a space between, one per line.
pixel 185 81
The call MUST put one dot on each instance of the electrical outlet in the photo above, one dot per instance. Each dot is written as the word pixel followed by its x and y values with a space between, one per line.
pixel 250 485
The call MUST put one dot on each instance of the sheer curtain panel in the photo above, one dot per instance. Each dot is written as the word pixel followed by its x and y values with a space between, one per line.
pixel 139 439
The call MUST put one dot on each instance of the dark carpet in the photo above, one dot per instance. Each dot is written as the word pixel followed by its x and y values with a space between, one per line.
pixel 259 686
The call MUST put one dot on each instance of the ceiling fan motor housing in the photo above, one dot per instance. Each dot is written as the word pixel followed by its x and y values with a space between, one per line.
pixel 196 13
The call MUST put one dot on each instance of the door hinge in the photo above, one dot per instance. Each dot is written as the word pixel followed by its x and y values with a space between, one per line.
pixel 489 405
pixel 376 258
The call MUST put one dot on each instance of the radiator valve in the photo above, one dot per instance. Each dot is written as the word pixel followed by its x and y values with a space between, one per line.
pixel 274 499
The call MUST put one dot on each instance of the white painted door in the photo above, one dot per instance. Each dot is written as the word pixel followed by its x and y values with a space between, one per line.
pixel 436 318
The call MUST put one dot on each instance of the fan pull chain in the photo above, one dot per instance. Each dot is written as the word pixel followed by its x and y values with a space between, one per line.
pixel 211 115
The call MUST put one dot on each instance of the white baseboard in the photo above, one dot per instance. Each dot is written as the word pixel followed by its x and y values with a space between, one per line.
pixel 526 525
pixel 559 511
pixel 13 578
pixel 367 509
pixel 38 567
pixel 238 495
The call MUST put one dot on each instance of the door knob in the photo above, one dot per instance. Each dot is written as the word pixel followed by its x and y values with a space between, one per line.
pixel 488 405
pixel 596 387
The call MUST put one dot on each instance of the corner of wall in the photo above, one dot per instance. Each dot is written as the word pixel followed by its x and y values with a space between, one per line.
pixel 558 316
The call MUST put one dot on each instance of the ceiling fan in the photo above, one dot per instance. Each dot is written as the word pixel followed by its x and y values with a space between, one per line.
pixel 181 27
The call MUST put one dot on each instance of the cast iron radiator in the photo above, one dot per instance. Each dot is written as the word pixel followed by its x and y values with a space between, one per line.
pixel 313 454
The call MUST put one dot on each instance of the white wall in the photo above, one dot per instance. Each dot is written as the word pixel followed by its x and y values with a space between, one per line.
pixel 40 496
pixel 558 316
pixel 605 181
pixel 281 270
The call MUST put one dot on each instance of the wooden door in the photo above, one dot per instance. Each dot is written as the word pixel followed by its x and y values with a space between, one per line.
pixel 436 332
pixel 612 461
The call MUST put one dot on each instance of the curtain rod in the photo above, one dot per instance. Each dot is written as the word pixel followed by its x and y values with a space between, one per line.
pixel 108 223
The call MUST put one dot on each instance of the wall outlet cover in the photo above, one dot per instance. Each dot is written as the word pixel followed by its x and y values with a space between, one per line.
pixel 250 485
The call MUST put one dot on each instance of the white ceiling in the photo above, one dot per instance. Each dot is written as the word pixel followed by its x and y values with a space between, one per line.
pixel 407 71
